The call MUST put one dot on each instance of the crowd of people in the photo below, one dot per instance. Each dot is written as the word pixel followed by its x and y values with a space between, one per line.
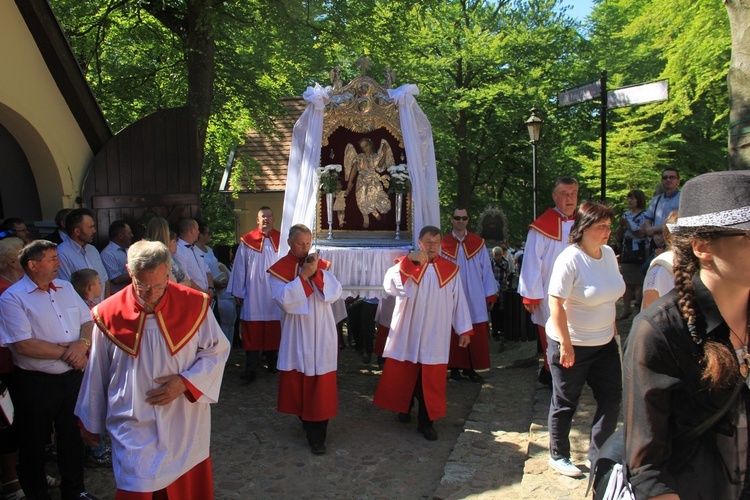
pixel 128 346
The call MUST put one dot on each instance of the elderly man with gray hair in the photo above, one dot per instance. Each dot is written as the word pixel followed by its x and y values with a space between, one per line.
pixel 157 361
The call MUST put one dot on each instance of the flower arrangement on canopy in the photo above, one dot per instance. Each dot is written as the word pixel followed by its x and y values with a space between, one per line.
pixel 400 182
pixel 328 178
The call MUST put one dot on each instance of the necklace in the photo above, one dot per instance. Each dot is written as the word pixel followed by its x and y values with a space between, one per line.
pixel 745 361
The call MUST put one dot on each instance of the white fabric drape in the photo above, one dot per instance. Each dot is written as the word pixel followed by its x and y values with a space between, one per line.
pixel 301 193
pixel 420 157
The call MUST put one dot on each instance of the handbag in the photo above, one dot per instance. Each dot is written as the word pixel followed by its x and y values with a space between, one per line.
pixel 610 477
pixel 633 253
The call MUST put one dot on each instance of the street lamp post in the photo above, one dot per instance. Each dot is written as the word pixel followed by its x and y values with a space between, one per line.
pixel 534 125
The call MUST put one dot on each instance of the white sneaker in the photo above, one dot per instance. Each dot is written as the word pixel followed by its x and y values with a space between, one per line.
pixel 565 467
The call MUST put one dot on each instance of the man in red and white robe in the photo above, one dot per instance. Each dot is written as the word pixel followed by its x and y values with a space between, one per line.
pixel 429 302
pixel 469 252
pixel 304 288
pixel 156 364
pixel 259 316
pixel 547 238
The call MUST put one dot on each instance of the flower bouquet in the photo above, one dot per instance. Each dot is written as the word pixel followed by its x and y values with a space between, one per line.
pixel 400 182
pixel 328 178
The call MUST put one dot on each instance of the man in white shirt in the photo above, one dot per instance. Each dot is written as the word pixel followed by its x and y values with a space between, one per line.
pixel 115 255
pixel 78 251
pixel 194 265
pixel 48 329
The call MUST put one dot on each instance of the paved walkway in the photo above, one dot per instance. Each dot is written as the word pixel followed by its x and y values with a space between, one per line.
pixel 492 444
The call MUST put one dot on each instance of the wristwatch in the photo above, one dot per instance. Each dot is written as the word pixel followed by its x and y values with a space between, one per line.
pixel 85 341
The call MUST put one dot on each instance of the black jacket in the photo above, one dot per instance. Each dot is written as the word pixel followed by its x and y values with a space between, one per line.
pixel 663 397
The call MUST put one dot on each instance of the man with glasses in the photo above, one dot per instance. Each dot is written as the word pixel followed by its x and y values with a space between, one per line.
pixel 157 362
pixel 547 238
pixel 661 205
pixel 480 288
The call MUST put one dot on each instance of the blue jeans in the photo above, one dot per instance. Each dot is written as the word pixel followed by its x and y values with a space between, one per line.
pixel 600 368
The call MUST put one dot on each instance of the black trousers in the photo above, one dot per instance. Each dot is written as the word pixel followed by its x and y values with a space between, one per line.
pixel 41 400
pixel 423 417
pixel 316 431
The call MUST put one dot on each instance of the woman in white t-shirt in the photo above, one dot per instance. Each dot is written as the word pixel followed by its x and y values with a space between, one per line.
pixel 659 279
pixel 584 287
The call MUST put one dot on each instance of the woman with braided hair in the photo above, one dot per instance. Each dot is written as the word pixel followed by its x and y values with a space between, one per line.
pixel 688 353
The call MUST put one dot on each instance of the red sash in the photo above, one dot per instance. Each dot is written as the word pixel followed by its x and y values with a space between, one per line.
pixel 287 267
pixel 472 245
pixel 549 224
pixel 179 314
pixel 445 269
pixel 255 238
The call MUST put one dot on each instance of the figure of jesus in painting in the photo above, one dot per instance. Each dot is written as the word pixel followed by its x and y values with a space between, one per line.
pixel 363 174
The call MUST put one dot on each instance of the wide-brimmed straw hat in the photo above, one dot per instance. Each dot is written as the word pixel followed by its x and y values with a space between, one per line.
pixel 717 201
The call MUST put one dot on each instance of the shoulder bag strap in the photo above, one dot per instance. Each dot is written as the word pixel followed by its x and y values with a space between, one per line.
pixel 701 428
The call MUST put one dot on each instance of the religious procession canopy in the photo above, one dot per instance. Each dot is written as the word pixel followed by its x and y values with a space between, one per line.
pixel 359 130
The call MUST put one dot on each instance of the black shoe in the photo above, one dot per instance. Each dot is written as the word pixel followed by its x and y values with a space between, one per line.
pixel 473 376
pixel 94 462
pixel 455 374
pixel 404 418
pixel 318 449
pixel 545 378
pixel 272 369
pixel 249 377
pixel 429 433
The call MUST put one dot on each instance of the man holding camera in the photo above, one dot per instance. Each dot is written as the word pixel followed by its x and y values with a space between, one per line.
pixel 304 289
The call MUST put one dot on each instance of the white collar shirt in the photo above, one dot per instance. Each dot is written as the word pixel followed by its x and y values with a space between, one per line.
pixel 28 312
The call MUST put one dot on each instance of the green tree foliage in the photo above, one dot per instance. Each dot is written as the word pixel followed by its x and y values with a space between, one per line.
pixel 136 58
pixel 685 42
pixel 480 65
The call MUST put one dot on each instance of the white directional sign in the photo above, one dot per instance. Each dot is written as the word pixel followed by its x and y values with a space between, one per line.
pixel 638 94
pixel 582 93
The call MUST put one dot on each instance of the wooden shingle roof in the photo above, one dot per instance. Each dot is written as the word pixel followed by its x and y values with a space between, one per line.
pixel 267 156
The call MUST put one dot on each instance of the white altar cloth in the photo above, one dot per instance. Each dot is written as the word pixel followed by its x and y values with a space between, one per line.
pixel 360 270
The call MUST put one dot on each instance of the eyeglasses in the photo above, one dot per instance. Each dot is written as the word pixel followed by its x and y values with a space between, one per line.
pixel 459 217
pixel 159 287
pixel 746 234
pixel 667 177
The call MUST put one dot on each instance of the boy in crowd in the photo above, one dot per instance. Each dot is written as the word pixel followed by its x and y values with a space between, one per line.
pixel 88 284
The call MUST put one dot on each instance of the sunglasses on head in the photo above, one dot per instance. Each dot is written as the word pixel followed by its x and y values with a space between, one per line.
pixel 460 217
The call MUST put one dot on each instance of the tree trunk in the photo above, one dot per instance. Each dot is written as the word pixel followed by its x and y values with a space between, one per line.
pixel 463 163
pixel 738 80
pixel 193 24
pixel 200 47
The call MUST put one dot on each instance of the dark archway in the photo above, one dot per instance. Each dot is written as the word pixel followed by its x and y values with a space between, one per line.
pixel 19 196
